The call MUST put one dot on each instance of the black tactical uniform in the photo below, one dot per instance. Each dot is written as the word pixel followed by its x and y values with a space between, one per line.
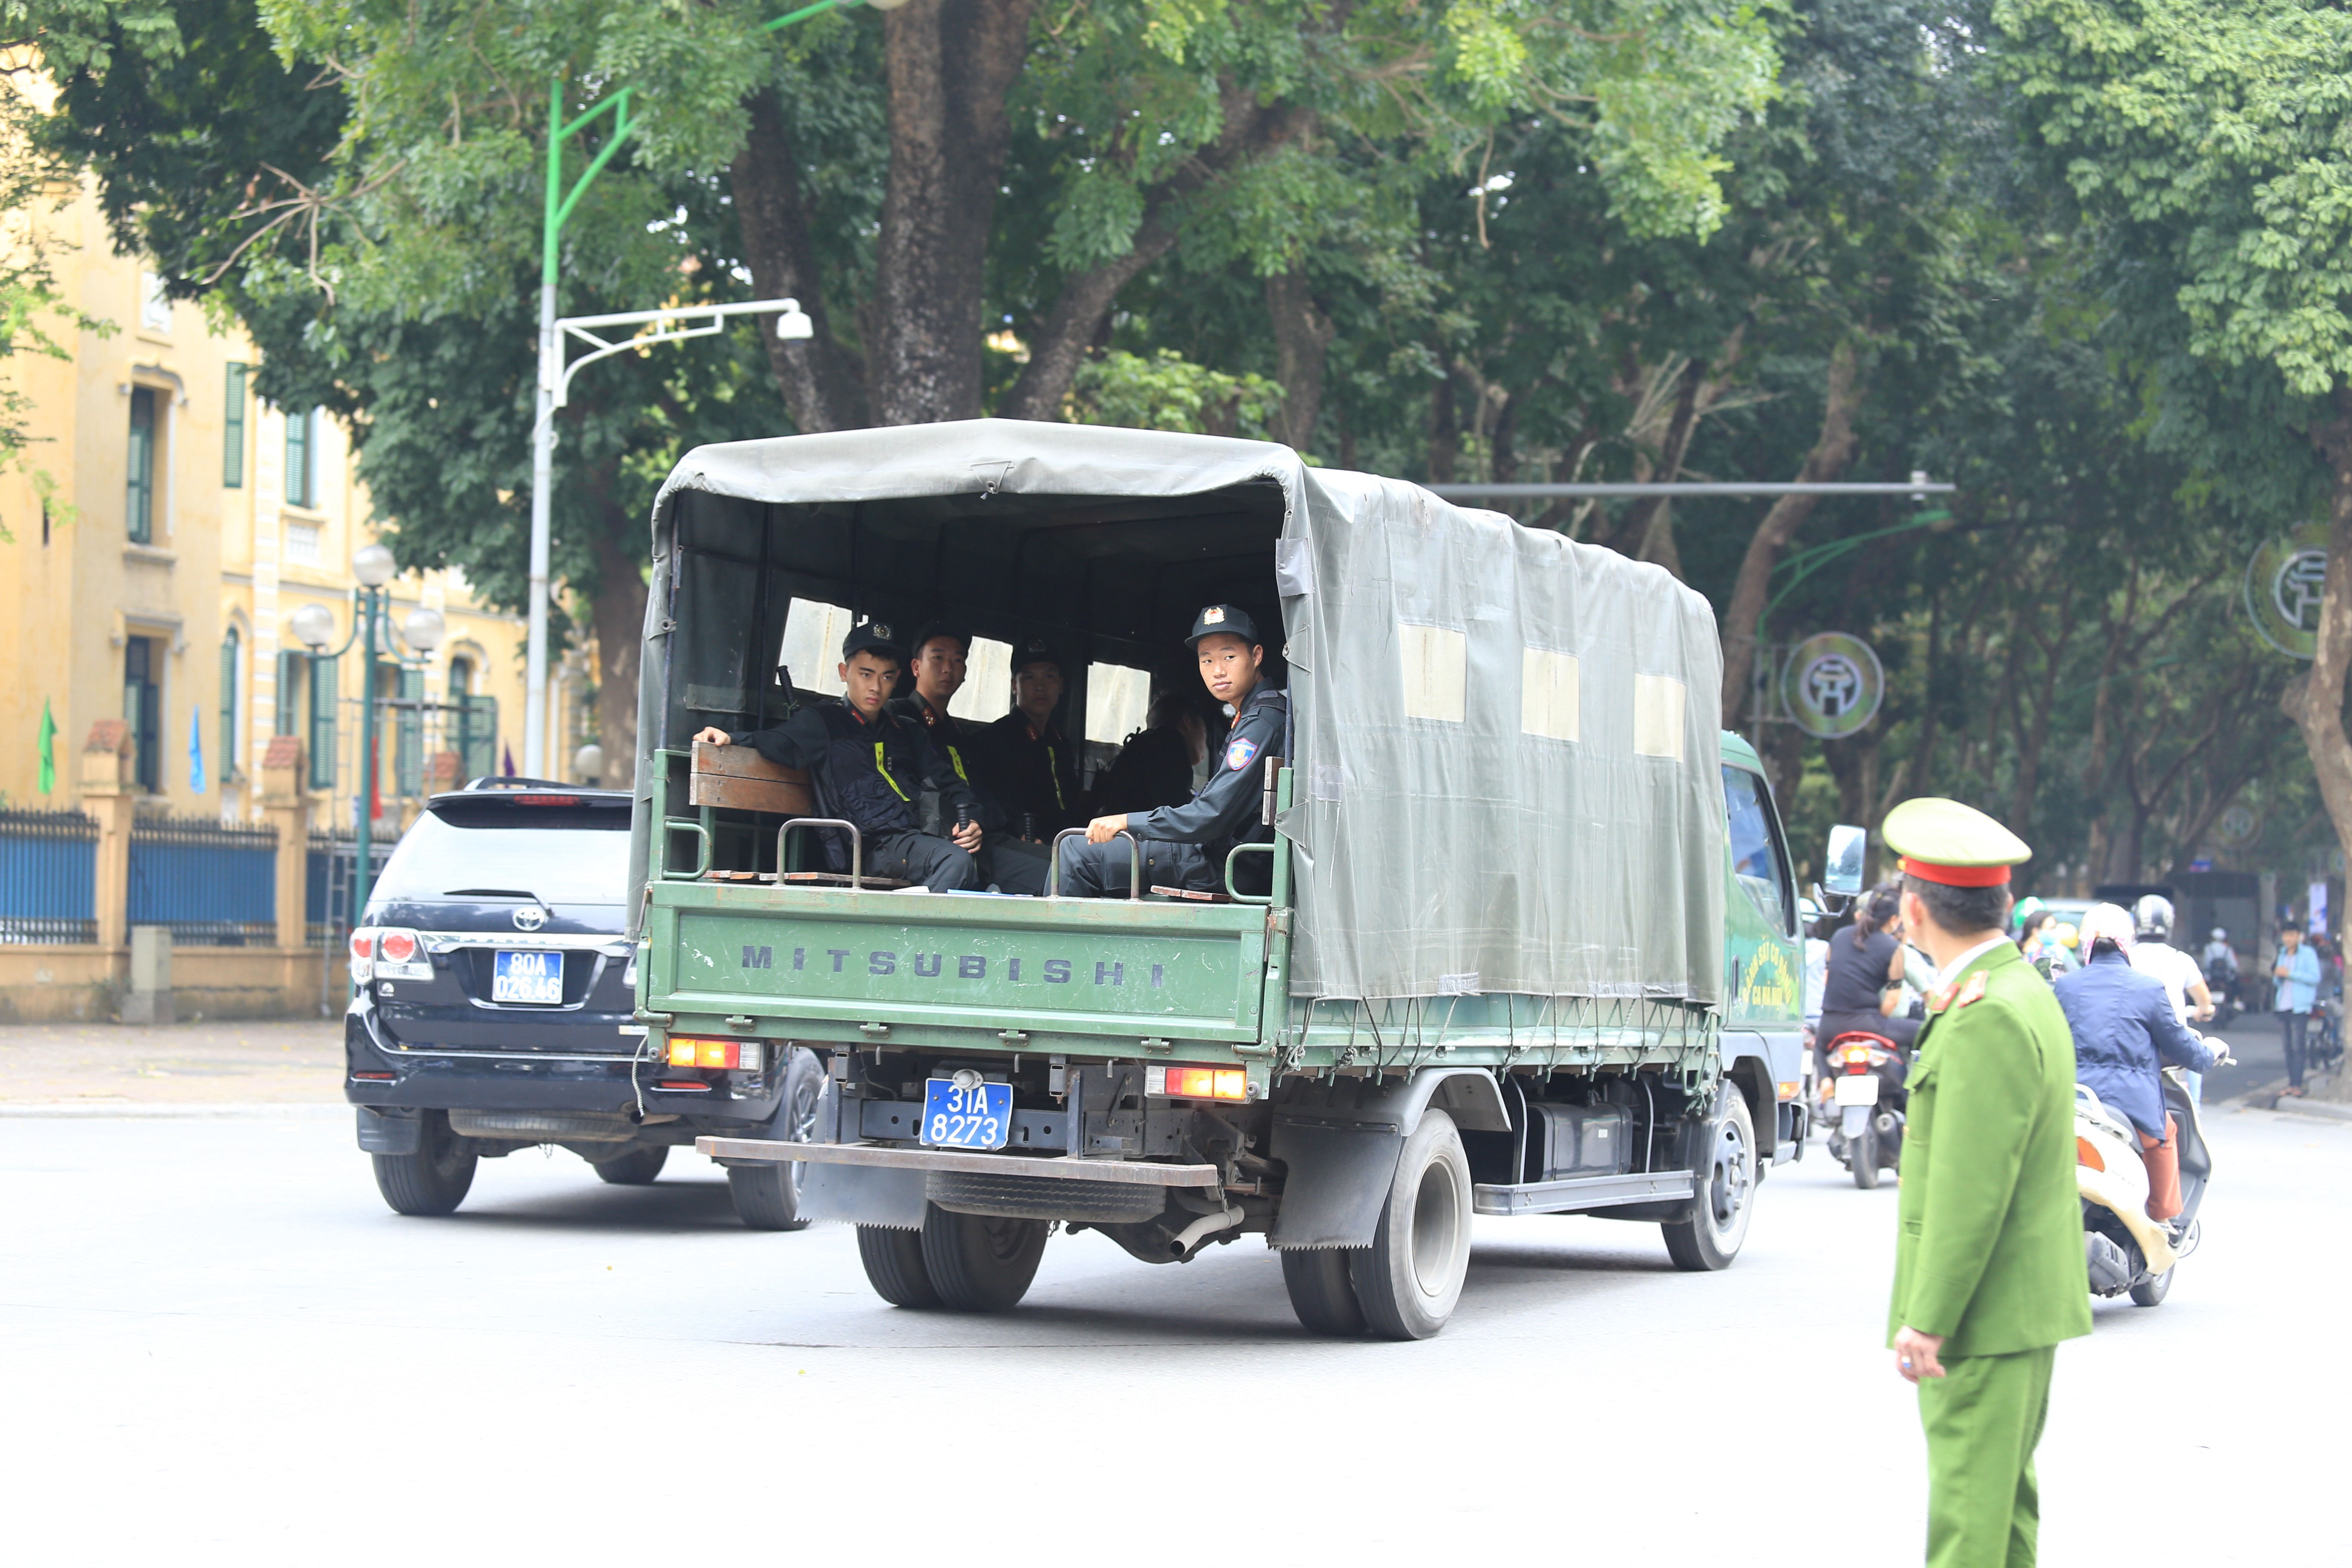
pixel 1037 770
pixel 1185 846
pixel 871 773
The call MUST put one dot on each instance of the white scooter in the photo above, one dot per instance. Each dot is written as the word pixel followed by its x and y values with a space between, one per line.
pixel 2125 1250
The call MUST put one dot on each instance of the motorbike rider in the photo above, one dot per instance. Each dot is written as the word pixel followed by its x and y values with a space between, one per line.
pixel 2220 961
pixel 2153 954
pixel 2124 1031
pixel 1862 987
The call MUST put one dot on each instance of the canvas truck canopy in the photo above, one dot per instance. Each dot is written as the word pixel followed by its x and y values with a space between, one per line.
pixel 1506 741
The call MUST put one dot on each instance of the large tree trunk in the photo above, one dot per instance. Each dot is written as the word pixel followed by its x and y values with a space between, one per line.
pixel 1831 452
pixel 950 65
pixel 818 379
pixel 2315 701
pixel 618 614
pixel 1302 338
pixel 1648 532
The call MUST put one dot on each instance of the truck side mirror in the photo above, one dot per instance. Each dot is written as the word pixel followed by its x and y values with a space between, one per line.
pixel 1842 872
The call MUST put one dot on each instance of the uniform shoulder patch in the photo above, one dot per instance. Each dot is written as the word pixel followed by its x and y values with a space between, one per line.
pixel 1240 753
pixel 1973 991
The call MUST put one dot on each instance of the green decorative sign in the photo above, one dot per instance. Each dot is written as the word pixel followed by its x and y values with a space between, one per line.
pixel 2238 828
pixel 1832 684
pixel 2284 582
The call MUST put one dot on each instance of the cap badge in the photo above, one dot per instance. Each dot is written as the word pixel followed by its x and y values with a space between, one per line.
pixel 1212 615
pixel 879 630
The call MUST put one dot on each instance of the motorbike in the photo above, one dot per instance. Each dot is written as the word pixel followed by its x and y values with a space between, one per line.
pixel 2221 981
pixel 1862 1103
pixel 2127 1252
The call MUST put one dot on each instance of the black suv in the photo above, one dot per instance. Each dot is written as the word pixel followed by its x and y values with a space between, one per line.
pixel 495 985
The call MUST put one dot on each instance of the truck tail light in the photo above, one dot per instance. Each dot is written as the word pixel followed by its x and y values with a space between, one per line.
pixel 726 1056
pixel 1196 1083
pixel 1789 1089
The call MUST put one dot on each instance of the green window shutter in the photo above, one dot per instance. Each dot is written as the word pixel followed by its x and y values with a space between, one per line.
pixel 229 647
pixel 232 430
pixel 409 755
pixel 142 496
pixel 290 677
pixel 322 721
pixel 298 458
pixel 480 748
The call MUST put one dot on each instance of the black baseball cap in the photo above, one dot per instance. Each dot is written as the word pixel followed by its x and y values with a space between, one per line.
pixel 942 628
pixel 1231 620
pixel 1036 650
pixel 872 637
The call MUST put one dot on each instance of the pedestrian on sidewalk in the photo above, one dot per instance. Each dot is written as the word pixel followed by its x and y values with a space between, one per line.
pixel 2298 974
pixel 1989 1270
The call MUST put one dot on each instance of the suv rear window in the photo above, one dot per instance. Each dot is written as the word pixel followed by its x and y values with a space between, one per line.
pixel 569 854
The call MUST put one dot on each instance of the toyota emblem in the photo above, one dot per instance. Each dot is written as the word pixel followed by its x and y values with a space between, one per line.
pixel 530 917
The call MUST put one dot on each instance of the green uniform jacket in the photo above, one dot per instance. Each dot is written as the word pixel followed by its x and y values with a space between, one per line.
pixel 1991 1255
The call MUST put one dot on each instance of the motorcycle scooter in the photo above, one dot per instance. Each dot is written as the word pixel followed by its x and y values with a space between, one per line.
pixel 2127 1251
pixel 1863 1104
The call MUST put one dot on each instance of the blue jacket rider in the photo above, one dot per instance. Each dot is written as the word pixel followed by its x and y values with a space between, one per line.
pixel 2124 1031
pixel 1185 846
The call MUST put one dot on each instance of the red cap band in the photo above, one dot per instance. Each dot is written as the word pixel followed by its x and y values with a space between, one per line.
pixel 1955 876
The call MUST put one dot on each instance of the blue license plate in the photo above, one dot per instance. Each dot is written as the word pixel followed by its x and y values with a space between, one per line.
pixel 976 1118
pixel 531 977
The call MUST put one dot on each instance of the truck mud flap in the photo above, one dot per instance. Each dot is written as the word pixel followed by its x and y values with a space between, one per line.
pixel 862 1194
pixel 1339 1177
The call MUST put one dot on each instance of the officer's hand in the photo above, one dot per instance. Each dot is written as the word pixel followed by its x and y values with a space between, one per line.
pixel 1103 830
pixel 1915 1354
pixel 967 838
pixel 714 735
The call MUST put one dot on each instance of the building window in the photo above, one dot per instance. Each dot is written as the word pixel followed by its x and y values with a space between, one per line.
pixel 302 543
pixel 231 646
pixel 143 465
pixel 475 733
pixel 232 430
pixel 142 707
pixel 290 693
pixel 322 721
pixel 408 755
pixel 154 305
pixel 300 470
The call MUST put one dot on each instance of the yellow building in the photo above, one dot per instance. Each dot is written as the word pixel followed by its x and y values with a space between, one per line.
pixel 190 521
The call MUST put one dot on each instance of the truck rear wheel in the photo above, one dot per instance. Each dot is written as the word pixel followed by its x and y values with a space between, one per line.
pixel 433 1180
pixel 894 1266
pixel 1321 1293
pixel 1710 1238
pixel 1411 1277
pixel 981 1263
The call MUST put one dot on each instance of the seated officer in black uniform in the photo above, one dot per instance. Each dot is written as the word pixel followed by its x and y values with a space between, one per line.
pixel 870 766
pixel 1185 846
pixel 938 667
pixel 1030 759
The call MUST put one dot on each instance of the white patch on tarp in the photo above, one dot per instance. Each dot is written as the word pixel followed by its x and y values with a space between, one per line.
pixel 1436 666
pixel 1330 782
pixel 1465 984
pixel 1294 568
pixel 1548 698
pixel 1658 702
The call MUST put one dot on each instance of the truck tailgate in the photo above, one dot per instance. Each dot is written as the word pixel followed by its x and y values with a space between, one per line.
pixel 833 963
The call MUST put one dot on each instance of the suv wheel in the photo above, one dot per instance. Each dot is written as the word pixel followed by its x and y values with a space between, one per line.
pixel 433 1179
pixel 767 1197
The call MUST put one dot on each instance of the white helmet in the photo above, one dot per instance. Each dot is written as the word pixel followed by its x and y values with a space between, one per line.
pixel 2221 935
pixel 2154 915
pixel 2107 922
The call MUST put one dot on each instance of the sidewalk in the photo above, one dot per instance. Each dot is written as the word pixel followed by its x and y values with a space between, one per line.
pixel 98 1067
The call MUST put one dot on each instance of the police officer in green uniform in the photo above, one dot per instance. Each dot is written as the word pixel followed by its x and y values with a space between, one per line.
pixel 1989 1271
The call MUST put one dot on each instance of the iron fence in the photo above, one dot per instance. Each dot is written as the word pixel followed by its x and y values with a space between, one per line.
pixel 48 876
pixel 331 869
pixel 214 886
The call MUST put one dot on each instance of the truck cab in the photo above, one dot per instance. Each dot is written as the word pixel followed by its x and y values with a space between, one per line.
pixel 1519 938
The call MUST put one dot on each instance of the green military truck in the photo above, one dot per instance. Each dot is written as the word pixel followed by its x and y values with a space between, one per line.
pixel 1518 934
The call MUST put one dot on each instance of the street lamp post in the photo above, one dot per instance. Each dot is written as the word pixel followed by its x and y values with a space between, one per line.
pixel 552 376
pixel 314 626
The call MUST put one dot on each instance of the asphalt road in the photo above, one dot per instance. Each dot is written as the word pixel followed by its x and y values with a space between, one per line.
pixel 216 1341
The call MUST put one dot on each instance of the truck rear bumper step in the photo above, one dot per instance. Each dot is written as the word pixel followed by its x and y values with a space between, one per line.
pixel 775 1152
pixel 1577 1193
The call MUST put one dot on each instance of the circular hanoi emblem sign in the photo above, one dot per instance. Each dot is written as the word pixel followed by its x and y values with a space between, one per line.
pixel 2283 582
pixel 1832 684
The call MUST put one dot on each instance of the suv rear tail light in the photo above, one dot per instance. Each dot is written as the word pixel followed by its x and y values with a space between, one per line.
pixel 1196 1083
pixel 401 955
pixel 739 1056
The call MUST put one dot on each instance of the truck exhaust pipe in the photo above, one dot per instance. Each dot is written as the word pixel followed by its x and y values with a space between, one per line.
pixel 1191 1237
